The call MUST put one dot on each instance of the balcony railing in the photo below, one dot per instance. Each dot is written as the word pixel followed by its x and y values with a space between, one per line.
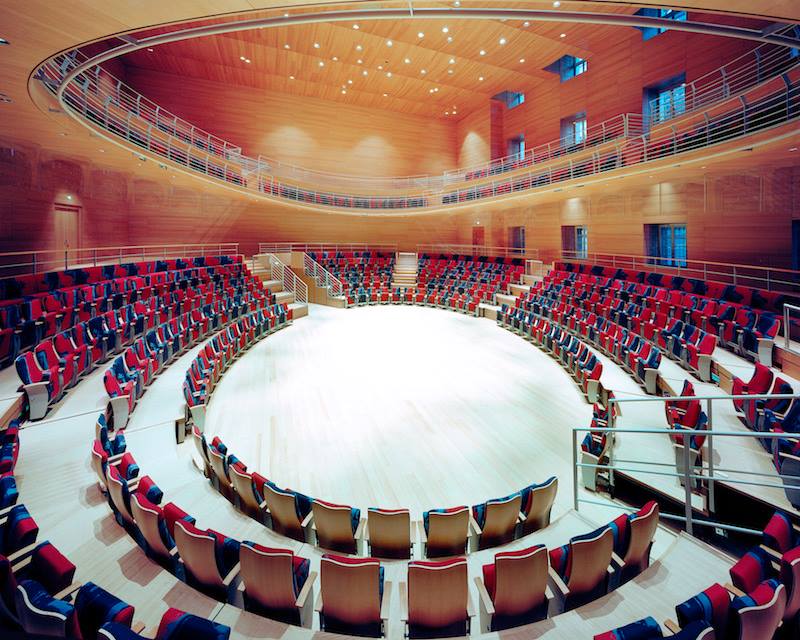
pixel 40 261
pixel 108 103
pixel 320 247
pixel 478 250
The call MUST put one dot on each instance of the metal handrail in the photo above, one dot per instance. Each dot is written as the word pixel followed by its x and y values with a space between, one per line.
pixel 689 477
pixel 762 277
pixel 787 333
pixel 305 247
pixel 322 276
pixel 284 274
pixel 42 260
pixel 478 250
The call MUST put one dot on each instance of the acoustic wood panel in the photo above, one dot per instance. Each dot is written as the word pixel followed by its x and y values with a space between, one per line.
pixel 307 132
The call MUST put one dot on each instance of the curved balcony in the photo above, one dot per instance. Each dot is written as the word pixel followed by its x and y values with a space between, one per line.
pixel 751 93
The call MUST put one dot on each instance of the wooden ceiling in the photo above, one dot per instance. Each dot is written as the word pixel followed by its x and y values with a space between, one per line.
pixel 386 64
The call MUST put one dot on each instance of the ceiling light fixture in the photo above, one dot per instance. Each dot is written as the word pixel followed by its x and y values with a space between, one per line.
pixel 355 26
pixel 447 113
pixel 335 58
pixel 4 42
pixel 321 63
pixel 360 61
pixel 445 30
pixel 526 24
pixel 291 77
pixel 316 45
pixel 449 38
pixel 423 71
pixel 556 4
pixel 407 60
pixel 792 149
pixel 349 82
pixel 452 61
pixel 344 91
pixel 480 78
pixel 286 46
pixel 388 74
pixel 380 67
pixel 420 35
pixel 385 95
pixel 359 47
pixel 389 43
pixel 563 35
pixel 450 71
pixel 364 72
pixel 502 41
pixel 149 49
pixel 522 60
pixel 482 52
pixel 285 15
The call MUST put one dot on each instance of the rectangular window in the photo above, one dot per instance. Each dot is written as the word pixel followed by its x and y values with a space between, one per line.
pixel 510 98
pixel 516 239
pixel 667 14
pixel 581 243
pixel 573 129
pixel 666 244
pixel 574 242
pixel 664 100
pixel 516 146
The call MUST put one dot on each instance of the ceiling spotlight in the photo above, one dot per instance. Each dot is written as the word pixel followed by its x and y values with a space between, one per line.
pixel 436 89
pixel 380 67
pixel 69 197
pixel 457 3
pixel 359 47
pixel 452 61
pixel 389 43
pixel 563 35
pixel 291 77
pixel 522 60
pixel 364 72
pixel 526 24
pixel 480 78
pixel 556 4
pixel 482 52
pixel 388 74
pixel 286 46
pixel 316 45
pixel 285 15
pixel 247 60
pixel 241 58
pixel 321 63
pixel 445 30
pixel 344 91
pixel 430 90
pixel 423 71
pixel 355 26
pixel 502 41
pixel 335 58
pixel 407 60
pixel 359 61
pixel 385 95
pixel 447 113
pixel 450 71
pixel 420 35
pixel 349 82
pixel 792 149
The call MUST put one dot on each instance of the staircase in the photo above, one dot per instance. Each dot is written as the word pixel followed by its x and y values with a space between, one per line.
pixel 281 281
pixel 405 271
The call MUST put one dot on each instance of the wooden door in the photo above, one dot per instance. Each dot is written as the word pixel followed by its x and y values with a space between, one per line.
pixel 478 236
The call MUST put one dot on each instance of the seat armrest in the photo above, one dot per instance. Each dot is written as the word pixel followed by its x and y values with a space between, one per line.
pixel 232 575
pixel 484 598
pixel 521 517
pixel 616 560
pixel 403 601
pixel 306 591
pixel 422 537
pixel 771 552
pixel 562 591
pixel 386 600
pixel 365 532
pixel 733 590
pixel 473 523
pixel 308 520
pixel 68 591
pixel 672 626
pixel 359 534
pixel 138 627
pixel 318 602
pixel 470 604
pixel 22 553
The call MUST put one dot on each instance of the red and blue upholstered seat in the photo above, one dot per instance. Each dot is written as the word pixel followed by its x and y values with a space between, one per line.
pixel 342 614
pixel 19 530
pixel 645 629
pixel 479 510
pixel 711 606
pixel 779 534
pixel 751 569
pixel 172 514
pixel 226 549
pixel 31 372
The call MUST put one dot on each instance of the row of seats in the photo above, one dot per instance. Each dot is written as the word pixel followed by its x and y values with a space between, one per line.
pixel 442 532
pixel 310 196
pixel 43 305
pixel 359 270
pixel 56 364
pixel 761 601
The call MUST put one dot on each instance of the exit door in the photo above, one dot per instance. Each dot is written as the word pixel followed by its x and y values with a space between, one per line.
pixel 66 236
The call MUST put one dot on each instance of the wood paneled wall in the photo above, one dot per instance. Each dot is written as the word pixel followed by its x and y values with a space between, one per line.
pixel 615 80
pixel 307 132
pixel 473 139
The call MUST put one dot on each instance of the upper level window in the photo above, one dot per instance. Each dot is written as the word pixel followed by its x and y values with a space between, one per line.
pixel 516 146
pixel 666 244
pixel 668 14
pixel 665 100
pixel 573 129
pixel 510 98
pixel 568 67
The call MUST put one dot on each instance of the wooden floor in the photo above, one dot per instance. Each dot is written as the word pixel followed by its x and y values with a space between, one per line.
pixel 464 398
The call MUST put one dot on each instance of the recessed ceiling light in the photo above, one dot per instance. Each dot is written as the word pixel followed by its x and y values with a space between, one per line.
pixel 3 41
pixel 364 72
pixel 703 167
pixel 69 197
pixel 344 91
pixel 420 35
pixel 247 60
pixel 407 60
pixel 452 61
pixel 450 71
pixel 526 24
pixel 359 61
pixel 502 41
pixel 355 26
pixel 556 4
pixel 792 149
pixel 449 38
pixel 436 89
pixel 359 47
pixel 286 46
pixel 563 35
pixel 389 43
pixel 447 113
pixel 316 45
pixel 291 77
pixel 482 52
pixel 241 58
pixel 321 63
pixel 445 30
pixel 385 95
pixel 349 82
pixel 285 15
pixel 423 71
pixel 388 74
pixel 150 49
pixel 380 67
pixel 102 150
pixel 480 78
pixel 335 58
pixel 522 60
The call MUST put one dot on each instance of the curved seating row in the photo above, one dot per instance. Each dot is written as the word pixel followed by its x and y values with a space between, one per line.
pixel 386 532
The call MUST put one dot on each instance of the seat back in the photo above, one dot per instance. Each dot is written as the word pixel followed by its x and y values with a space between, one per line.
pixel 118 492
pixel 790 577
pixel 150 521
pixel 501 520
pixel 217 460
pixel 520 580
pixel 268 577
pixel 281 505
pixel 761 619
pixel 447 532
pixel 389 533
pixel 643 527
pixel 350 591
pixel 590 558
pixel 437 593
pixel 539 503
pixel 334 525
pixel 198 552
pixel 243 485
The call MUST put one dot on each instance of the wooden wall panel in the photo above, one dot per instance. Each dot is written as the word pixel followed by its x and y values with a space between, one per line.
pixel 307 132
pixel 473 139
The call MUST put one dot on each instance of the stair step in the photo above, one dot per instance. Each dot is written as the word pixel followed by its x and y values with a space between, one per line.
pixel 272 285
pixel 299 309
pixel 284 297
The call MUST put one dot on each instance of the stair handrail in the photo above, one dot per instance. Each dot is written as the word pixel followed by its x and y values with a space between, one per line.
pixel 322 276
pixel 291 282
